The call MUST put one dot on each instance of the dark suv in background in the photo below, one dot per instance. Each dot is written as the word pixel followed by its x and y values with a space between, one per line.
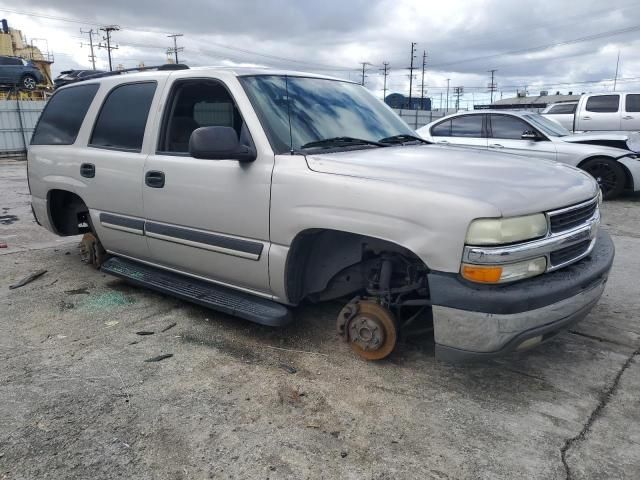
pixel 70 76
pixel 20 72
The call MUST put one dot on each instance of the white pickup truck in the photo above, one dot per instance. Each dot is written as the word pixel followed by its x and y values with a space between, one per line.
pixel 598 112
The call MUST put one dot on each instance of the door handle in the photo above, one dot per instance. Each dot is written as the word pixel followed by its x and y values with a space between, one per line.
pixel 496 145
pixel 628 117
pixel 586 118
pixel 88 170
pixel 154 179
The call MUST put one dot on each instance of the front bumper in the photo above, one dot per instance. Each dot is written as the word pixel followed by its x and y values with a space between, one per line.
pixel 473 322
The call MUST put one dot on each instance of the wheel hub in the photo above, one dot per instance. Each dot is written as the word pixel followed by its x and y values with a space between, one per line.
pixel 366 332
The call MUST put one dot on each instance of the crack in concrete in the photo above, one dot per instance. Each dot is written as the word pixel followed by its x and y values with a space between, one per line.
pixel 597 338
pixel 605 397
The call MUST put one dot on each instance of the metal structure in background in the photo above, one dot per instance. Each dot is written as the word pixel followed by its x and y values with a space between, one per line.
pixel 19 113
pixel 419 118
pixel 175 48
pixel 108 29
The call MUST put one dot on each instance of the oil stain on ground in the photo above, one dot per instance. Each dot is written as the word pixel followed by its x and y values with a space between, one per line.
pixel 8 219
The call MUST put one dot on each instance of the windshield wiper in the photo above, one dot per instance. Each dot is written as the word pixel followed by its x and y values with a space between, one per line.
pixel 342 141
pixel 402 138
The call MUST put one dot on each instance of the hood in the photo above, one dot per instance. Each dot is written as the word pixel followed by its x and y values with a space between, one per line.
pixel 513 184
pixel 624 140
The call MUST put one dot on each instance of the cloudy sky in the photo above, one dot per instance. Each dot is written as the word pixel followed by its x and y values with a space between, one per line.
pixel 545 45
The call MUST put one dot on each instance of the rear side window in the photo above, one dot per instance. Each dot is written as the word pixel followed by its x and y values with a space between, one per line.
pixel 632 103
pixel 442 129
pixel 123 117
pixel 62 117
pixel 603 104
pixel 562 108
pixel 467 126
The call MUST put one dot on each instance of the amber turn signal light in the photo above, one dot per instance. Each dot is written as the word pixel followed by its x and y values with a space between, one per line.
pixel 481 274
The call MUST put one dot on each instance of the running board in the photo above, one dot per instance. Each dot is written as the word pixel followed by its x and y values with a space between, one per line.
pixel 226 300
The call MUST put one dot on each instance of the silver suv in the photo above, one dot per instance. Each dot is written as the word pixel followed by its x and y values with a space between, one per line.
pixel 251 191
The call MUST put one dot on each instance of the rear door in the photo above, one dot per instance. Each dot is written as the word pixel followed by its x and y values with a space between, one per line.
pixel 563 114
pixel 601 112
pixel 505 135
pixel 463 130
pixel 110 165
pixel 631 115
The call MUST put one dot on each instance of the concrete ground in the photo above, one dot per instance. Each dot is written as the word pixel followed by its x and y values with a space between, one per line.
pixel 237 400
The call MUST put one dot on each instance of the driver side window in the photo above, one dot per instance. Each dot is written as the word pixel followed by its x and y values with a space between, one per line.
pixel 194 104
pixel 508 127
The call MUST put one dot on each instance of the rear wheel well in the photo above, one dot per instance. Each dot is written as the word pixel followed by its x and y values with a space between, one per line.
pixel 68 213
pixel 324 264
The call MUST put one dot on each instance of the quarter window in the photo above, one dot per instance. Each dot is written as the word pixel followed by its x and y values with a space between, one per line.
pixel 442 129
pixel 632 103
pixel 603 104
pixel 123 117
pixel 507 127
pixel 62 117
pixel 467 126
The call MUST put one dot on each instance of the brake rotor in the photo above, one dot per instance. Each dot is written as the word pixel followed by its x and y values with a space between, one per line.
pixel 373 331
pixel 91 250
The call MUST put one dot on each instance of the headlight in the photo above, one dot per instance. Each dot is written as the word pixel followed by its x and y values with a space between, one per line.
pixel 504 273
pixel 498 231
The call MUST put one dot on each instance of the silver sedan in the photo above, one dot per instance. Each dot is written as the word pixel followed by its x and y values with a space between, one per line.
pixel 611 157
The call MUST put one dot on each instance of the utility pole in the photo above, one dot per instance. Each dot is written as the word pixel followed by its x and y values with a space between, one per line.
pixel 492 85
pixel 364 66
pixel 440 104
pixel 615 79
pixel 413 55
pixel 424 64
pixel 448 79
pixel 92 57
pixel 107 29
pixel 458 92
pixel 385 73
pixel 175 48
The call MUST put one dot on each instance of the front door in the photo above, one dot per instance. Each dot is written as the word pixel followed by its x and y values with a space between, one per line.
pixel 601 112
pixel 505 135
pixel 208 218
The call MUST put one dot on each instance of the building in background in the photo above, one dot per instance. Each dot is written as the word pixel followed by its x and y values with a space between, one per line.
pixel 529 103
pixel 14 44
pixel 397 100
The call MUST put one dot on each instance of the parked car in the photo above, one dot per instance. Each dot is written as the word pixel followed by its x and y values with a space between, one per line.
pixel 19 72
pixel 598 112
pixel 611 157
pixel 252 191
pixel 70 76
pixel 562 113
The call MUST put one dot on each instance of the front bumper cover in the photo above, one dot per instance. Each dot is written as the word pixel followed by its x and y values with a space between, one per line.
pixel 474 322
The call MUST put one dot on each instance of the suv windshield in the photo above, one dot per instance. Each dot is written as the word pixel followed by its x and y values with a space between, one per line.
pixel 547 126
pixel 299 113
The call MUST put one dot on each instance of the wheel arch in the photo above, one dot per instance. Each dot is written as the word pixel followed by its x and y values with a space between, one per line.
pixel 317 255
pixel 68 213
pixel 628 178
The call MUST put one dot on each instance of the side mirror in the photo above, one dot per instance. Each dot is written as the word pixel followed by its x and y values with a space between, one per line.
pixel 529 135
pixel 219 143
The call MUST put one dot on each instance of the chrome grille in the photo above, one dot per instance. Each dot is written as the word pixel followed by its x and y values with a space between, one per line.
pixel 571 217
pixel 564 255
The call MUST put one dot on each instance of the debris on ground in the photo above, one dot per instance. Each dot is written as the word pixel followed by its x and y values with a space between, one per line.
pixel 144 332
pixel 288 368
pixel 159 358
pixel 77 291
pixel 111 323
pixel 168 327
pixel 28 279
pixel 3 245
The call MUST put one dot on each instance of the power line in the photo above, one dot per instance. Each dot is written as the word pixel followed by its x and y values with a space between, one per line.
pixel 175 48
